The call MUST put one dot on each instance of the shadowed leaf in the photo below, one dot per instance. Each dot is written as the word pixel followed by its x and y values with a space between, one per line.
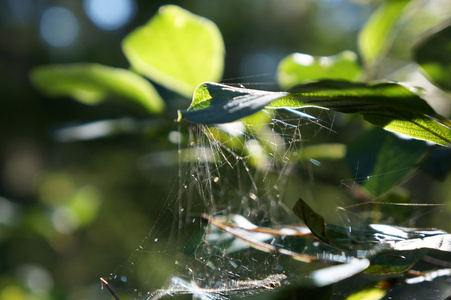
pixel 380 160
pixel 433 54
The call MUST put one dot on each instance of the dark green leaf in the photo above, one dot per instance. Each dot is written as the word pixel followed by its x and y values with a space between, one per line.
pixel 94 83
pixel 434 56
pixel 177 49
pixel 388 105
pixel 298 68
pixel 380 160
pixel 219 103
pixel 312 220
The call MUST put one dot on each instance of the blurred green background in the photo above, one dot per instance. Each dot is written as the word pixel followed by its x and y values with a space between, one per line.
pixel 74 207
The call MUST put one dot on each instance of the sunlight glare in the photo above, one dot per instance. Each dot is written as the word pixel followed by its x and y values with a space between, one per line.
pixel 303 59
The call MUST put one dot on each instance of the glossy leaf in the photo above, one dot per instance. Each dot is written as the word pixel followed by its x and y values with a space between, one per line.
pixel 385 243
pixel 298 68
pixel 388 105
pixel 380 160
pixel 433 54
pixel 377 34
pixel 94 83
pixel 176 49
pixel 219 103
pixel 367 236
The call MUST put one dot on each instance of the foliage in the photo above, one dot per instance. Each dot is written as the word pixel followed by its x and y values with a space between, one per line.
pixel 184 53
pixel 388 105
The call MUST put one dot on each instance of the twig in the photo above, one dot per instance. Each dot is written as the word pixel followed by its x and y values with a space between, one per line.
pixel 113 293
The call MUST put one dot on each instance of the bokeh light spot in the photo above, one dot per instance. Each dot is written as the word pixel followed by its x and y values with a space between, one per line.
pixel 59 27
pixel 109 14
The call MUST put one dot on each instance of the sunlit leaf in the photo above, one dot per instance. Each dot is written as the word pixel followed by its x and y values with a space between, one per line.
pixel 176 49
pixel 388 105
pixel 434 56
pixel 377 34
pixel 380 160
pixel 219 103
pixel 298 68
pixel 94 83
pixel 370 293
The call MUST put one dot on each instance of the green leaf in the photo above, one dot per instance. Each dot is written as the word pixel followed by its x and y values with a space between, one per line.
pixel 219 103
pixel 370 293
pixel 314 221
pixel 393 249
pixel 322 151
pixel 388 105
pixel 380 160
pixel 377 34
pixel 94 83
pixel 433 54
pixel 298 68
pixel 176 49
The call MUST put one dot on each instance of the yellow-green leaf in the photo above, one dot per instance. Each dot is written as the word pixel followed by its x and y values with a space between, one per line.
pixel 94 83
pixel 298 68
pixel 176 49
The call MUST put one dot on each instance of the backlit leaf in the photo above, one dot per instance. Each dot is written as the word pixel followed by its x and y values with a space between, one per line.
pixel 298 68
pixel 94 83
pixel 176 49
pixel 370 293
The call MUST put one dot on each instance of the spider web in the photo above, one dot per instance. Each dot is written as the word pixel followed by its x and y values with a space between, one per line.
pixel 249 169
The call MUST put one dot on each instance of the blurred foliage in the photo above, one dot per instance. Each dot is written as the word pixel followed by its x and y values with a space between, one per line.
pixel 72 210
pixel 299 68
pixel 432 55
pixel 91 84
